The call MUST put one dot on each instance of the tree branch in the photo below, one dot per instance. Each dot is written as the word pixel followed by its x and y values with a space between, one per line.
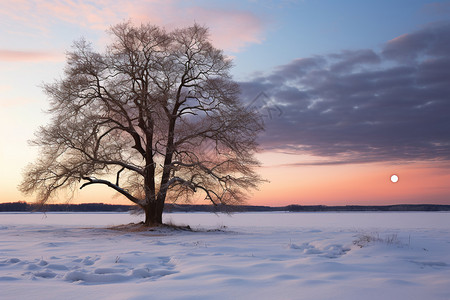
pixel 118 174
pixel 111 185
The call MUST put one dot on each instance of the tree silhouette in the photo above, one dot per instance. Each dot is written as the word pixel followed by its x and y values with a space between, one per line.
pixel 156 117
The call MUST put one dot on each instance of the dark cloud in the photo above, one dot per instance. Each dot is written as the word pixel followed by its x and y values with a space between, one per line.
pixel 433 40
pixel 362 106
pixel 349 60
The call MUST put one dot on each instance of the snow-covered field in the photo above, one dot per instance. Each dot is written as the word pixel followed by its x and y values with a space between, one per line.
pixel 242 256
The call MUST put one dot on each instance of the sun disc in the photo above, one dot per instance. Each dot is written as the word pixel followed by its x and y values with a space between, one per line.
pixel 394 178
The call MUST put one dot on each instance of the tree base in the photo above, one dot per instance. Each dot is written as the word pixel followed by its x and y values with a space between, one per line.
pixel 142 227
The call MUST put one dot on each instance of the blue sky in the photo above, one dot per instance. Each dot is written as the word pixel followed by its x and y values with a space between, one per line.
pixel 308 28
pixel 271 42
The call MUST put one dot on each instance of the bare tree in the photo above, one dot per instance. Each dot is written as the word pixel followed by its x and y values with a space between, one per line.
pixel 156 117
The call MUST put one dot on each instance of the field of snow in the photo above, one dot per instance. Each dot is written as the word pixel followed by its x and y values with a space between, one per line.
pixel 242 256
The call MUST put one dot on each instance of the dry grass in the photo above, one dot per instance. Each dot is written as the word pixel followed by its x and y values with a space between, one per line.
pixel 366 239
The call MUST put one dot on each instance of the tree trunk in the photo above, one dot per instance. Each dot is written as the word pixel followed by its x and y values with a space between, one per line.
pixel 153 213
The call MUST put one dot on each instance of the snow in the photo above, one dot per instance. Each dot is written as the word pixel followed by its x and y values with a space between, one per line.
pixel 242 256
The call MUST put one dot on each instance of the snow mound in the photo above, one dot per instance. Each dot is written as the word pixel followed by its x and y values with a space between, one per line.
pixel 84 270
pixel 323 250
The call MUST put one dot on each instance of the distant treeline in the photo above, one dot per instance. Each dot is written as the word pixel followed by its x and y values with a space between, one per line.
pixel 85 207
pixel 306 208
pixel 101 207
pixel 397 207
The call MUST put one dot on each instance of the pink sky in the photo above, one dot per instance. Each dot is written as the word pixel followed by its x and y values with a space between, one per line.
pixel 269 41
pixel 362 184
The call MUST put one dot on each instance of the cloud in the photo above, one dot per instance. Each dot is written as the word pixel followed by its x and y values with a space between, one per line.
pixel 434 40
pixel 44 14
pixel 29 56
pixel 363 106
pixel 231 29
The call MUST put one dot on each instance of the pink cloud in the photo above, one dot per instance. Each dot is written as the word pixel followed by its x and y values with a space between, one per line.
pixel 231 29
pixel 28 56
pixel 92 14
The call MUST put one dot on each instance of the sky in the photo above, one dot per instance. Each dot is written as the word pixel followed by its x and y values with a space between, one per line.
pixel 350 92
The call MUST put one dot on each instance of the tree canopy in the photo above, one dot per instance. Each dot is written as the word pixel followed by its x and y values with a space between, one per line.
pixel 156 117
